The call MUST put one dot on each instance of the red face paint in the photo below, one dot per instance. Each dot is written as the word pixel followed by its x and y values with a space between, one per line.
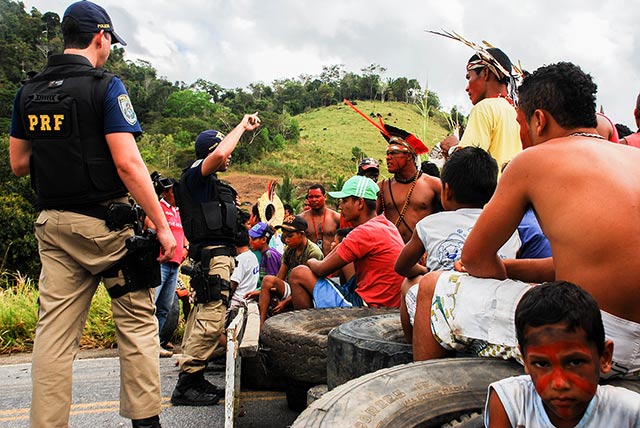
pixel 559 376
pixel 564 367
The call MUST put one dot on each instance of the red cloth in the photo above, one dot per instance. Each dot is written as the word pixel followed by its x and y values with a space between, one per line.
pixel 373 247
pixel 633 139
pixel 175 224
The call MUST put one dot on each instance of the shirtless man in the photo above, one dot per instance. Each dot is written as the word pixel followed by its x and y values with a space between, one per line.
pixel 591 246
pixel 634 139
pixel 410 195
pixel 323 221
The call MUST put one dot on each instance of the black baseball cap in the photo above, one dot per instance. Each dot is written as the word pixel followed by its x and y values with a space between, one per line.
pixel 92 18
pixel 207 142
pixel 293 224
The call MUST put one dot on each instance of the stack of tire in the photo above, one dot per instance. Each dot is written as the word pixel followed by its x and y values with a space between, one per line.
pixel 364 345
pixel 437 393
pixel 295 346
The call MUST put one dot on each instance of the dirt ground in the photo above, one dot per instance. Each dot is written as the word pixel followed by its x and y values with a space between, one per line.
pixel 250 187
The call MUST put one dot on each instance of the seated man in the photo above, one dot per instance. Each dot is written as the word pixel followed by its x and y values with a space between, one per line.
pixel 373 246
pixel 475 312
pixel 299 250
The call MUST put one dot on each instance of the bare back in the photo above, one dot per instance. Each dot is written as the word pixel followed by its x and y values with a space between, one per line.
pixel 586 194
pixel 422 202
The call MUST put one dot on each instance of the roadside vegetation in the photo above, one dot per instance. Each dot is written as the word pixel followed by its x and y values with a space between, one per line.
pixel 19 315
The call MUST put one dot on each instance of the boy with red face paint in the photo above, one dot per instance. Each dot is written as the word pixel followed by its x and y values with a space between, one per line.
pixel 562 341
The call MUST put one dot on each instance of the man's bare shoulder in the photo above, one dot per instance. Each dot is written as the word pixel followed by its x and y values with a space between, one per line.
pixel 307 215
pixel 431 180
pixel 427 182
pixel 332 213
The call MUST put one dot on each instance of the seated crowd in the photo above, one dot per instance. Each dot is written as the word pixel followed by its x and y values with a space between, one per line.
pixel 462 251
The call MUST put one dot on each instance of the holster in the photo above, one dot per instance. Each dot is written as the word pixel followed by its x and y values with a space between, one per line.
pixel 209 288
pixel 140 267
pixel 118 215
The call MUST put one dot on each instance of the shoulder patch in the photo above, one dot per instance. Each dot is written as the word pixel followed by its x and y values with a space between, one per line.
pixel 127 109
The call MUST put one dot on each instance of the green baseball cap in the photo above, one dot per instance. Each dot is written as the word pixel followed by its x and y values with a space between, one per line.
pixel 358 186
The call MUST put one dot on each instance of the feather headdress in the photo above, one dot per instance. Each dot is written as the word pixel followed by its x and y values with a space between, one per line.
pixel 393 134
pixel 270 206
pixel 514 75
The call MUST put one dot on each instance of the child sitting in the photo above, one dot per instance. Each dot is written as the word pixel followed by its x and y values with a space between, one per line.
pixel 271 259
pixel 245 276
pixel 244 279
pixel 562 342
pixel 469 179
pixel 298 250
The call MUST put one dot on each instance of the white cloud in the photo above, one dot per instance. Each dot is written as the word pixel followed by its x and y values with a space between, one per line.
pixel 235 43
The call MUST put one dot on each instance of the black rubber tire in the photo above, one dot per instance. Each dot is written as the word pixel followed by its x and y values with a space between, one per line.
pixel 365 345
pixel 296 342
pixel 171 323
pixel 423 394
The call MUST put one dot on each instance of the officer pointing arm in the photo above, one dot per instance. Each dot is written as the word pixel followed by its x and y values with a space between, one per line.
pixel 218 160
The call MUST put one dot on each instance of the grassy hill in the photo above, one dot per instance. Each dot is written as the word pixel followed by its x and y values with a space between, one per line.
pixel 328 135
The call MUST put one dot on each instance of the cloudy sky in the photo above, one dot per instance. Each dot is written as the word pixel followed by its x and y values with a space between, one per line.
pixel 237 42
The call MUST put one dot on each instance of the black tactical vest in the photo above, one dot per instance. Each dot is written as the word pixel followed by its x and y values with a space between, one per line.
pixel 62 111
pixel 213 221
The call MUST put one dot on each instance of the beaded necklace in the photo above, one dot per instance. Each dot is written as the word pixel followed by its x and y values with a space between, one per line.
pixel 586 134
pixel 318 236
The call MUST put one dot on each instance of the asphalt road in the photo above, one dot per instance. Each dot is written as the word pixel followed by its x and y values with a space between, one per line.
pixel 96 390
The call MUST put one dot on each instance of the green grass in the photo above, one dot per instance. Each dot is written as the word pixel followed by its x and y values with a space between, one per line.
pixel 19 316
pixel 327 136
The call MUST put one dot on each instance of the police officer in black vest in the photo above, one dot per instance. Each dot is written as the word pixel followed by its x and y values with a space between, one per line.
pixel 73 130
pixel 211 223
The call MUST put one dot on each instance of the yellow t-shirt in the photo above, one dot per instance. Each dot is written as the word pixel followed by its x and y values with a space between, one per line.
pixel 492 125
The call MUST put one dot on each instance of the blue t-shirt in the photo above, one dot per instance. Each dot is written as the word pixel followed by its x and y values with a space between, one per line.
pixel 119 115
pixel 534 244
pixel 197 184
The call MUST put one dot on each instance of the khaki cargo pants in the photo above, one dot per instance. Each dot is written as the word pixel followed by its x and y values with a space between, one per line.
pixel 74 250
pixel 206 322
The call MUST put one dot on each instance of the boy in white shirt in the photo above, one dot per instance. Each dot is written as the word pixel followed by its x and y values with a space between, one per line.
pixel 469 179
pixel 561 337
pixel 244 277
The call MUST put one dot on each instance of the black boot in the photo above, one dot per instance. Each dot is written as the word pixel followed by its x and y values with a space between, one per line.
pixel 188 391
pixel 152 422
pixel 206 386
